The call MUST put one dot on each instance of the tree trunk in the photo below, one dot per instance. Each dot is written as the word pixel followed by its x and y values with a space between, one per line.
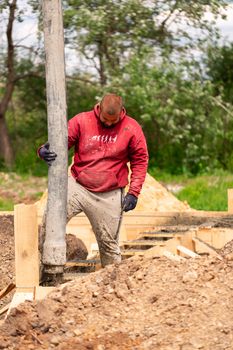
pixel 54 250
pixel 6 151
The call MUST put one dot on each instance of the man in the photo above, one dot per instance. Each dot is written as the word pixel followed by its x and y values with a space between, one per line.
pixel 104 140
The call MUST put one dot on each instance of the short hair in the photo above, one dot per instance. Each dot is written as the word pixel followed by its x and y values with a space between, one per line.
pixel 111 104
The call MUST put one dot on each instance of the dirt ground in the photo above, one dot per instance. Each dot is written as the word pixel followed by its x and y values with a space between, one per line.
pixel 7 255
pixel 141 304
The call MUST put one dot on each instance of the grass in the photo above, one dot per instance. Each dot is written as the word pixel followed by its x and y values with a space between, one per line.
pixel 6 204
pixel 202 192
pixel 19 188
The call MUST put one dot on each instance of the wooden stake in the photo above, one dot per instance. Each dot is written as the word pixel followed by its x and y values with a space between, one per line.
pixel 26 246
pixel 230 200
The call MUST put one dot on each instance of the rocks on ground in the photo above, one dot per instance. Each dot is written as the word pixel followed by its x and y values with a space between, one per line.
pixel 140 304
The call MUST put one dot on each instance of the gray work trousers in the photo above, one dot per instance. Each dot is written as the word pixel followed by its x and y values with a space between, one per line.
pixel 104 211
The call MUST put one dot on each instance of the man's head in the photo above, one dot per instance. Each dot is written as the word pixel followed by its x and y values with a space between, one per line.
pixel 110 110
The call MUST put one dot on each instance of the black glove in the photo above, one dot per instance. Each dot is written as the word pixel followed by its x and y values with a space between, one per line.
pixel 47 155
pixel 129 202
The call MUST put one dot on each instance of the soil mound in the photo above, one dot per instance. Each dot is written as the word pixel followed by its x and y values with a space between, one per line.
pixel 75 248
pixel 155 197
pixel 140 304
pixel 7 268
pixel 227 250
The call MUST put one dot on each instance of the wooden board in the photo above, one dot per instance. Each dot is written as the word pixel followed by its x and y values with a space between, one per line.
pixel 4 309
pixel 142 243
pixel 6 212
pixel 82 263
pixel 7 290
pixel 19 297
pixel 173 257
pixel 187 252
pixel 215 236
pixel 132 252
pixel 202 248
pixel 42 292
pixel 26 246
pixel 230 200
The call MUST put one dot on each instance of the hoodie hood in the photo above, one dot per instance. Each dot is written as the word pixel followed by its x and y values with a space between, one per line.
pixel 97 111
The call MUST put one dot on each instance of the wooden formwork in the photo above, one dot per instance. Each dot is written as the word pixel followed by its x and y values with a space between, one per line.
pixel 136 228
pixel 137 221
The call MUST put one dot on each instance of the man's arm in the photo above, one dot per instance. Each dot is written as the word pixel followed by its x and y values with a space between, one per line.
pixel 73 134
pixel 138 155
pixel 73 131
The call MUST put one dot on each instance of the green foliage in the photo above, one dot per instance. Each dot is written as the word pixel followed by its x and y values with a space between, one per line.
pixel 106 33
pixel 187 119
pixel 182 120
pixel 208 192
pixel 27 162
pixel 6 204
pixel 220 70
pixel 81 96
pixel 202 192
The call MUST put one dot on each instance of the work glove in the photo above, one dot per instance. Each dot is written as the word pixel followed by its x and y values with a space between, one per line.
pixel 129 202
pixel 47 155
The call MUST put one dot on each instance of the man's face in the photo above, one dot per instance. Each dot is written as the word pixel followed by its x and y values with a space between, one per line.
pixel 109 120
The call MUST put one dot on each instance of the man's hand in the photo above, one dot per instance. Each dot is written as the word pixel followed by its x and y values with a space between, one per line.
pixel 47 155
pixel 129 202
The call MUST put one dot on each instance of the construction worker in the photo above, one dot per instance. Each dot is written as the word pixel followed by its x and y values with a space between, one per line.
pixel 104 140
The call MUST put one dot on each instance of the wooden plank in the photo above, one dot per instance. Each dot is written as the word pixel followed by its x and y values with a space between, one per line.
pixel 4 309
pixel 7 290
pixel 42 292
pixel 143 243
pixel 132 252
pixel 186 240
pixel 228 235
pixel 136 222
pixel 173 257
pixel 205 235
pixel 171 245
pixel 26 246
pixel 6 213
pixel 83 263
pixel 154 218
pixel 21 296
pixel 157 235
pixel 187 251
pixel 202 248
pixel 154 252
pixel 122 231
pixel 218 238
pixel 230 200
pixel 70 276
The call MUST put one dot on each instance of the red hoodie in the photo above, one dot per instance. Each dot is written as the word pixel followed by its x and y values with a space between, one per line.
pixel 101 154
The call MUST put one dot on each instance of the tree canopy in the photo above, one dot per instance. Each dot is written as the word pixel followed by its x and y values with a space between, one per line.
pixel 163 57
